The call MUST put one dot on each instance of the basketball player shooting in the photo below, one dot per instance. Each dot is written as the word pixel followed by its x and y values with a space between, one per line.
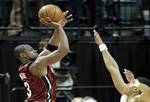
pixel 137 90
pixel 35 71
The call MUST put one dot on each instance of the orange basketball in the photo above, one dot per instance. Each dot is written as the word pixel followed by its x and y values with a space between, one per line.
pixel 51 11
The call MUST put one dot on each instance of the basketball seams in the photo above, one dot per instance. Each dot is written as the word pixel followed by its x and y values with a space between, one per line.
pixel 42 13
pixel 58 16
pixel 46 13
pixel 54 14
pixel 51 11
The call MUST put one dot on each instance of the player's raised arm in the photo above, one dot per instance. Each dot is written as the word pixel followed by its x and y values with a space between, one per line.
pixel 39 66
pixel 111 65
pixel 54 41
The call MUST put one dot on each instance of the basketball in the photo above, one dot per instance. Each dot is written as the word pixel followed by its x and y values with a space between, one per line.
pixel 51 11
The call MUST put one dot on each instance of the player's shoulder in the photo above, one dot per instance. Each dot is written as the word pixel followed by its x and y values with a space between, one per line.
pixel 24 66
pixel 143 98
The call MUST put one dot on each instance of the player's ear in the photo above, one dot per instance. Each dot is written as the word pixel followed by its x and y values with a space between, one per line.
pixel 135 89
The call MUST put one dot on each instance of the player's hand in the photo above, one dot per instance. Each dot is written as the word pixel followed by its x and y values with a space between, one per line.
pixel 66 17
pixel 129 76
pixel 97 38
pixel 49 22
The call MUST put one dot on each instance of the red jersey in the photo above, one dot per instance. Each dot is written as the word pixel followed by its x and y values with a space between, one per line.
pixel 39 89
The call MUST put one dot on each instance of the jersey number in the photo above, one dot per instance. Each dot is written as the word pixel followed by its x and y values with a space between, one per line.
pixel 28 89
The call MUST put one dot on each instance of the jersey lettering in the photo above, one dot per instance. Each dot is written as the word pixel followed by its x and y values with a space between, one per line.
pixel 28 89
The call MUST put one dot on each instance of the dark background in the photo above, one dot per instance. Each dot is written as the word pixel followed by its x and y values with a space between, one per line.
pixel 89 70
pixel 122 28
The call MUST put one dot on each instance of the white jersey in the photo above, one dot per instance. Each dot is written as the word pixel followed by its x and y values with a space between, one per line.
pixel 124 98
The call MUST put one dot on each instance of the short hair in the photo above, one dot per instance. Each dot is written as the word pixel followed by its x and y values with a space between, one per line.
pixel 88 99
pixel 84 99
pixel 19 49
pixel 77 99
pixel 144 81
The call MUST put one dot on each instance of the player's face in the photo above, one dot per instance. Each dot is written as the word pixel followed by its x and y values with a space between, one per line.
pixel 134 89
pixel 31 53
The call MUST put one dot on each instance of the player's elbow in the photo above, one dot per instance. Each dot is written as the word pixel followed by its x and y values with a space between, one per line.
pixel 66 48
pixel 112 66
pixel 112 69
pixel 64 51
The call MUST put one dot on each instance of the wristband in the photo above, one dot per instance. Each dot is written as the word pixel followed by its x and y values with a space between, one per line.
pixel 102 47
pixel 51 47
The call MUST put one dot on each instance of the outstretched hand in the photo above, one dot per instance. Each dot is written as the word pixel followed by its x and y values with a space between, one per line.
pixel 97 38
pixel 49 22
pixel 129 76
pixel 66 18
